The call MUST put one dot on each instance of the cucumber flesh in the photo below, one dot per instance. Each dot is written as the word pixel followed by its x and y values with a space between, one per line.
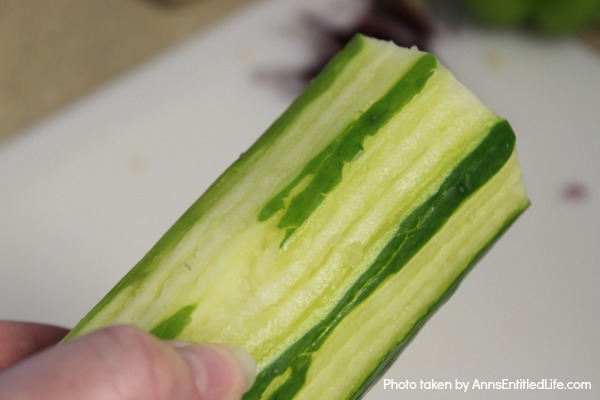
pixel 334 237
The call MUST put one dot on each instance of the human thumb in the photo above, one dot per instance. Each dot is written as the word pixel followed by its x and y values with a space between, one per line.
pixel 125 363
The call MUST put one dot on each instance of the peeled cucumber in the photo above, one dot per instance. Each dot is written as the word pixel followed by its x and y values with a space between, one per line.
pixel 338 233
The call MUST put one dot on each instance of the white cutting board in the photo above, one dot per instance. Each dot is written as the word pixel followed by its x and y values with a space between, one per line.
pixel 84 194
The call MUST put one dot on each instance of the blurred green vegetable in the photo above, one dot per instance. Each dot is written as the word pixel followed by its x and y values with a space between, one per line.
pixel 555 17
pixel 565 16
pixel 499 12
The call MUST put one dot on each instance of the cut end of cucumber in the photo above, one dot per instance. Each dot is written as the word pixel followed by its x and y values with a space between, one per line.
pixel 340 230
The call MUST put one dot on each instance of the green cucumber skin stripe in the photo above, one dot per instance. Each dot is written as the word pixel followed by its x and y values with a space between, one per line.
pixel 339 232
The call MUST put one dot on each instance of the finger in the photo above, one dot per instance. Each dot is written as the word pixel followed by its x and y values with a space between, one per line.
pixel 19 340
pixel 214 378
pixel 125 363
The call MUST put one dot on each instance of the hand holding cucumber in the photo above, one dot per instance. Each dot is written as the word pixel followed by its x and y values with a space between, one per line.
pixel 120 363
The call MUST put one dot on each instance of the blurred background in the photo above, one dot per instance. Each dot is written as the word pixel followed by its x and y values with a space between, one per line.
pixel 54 52
pixel 115 115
